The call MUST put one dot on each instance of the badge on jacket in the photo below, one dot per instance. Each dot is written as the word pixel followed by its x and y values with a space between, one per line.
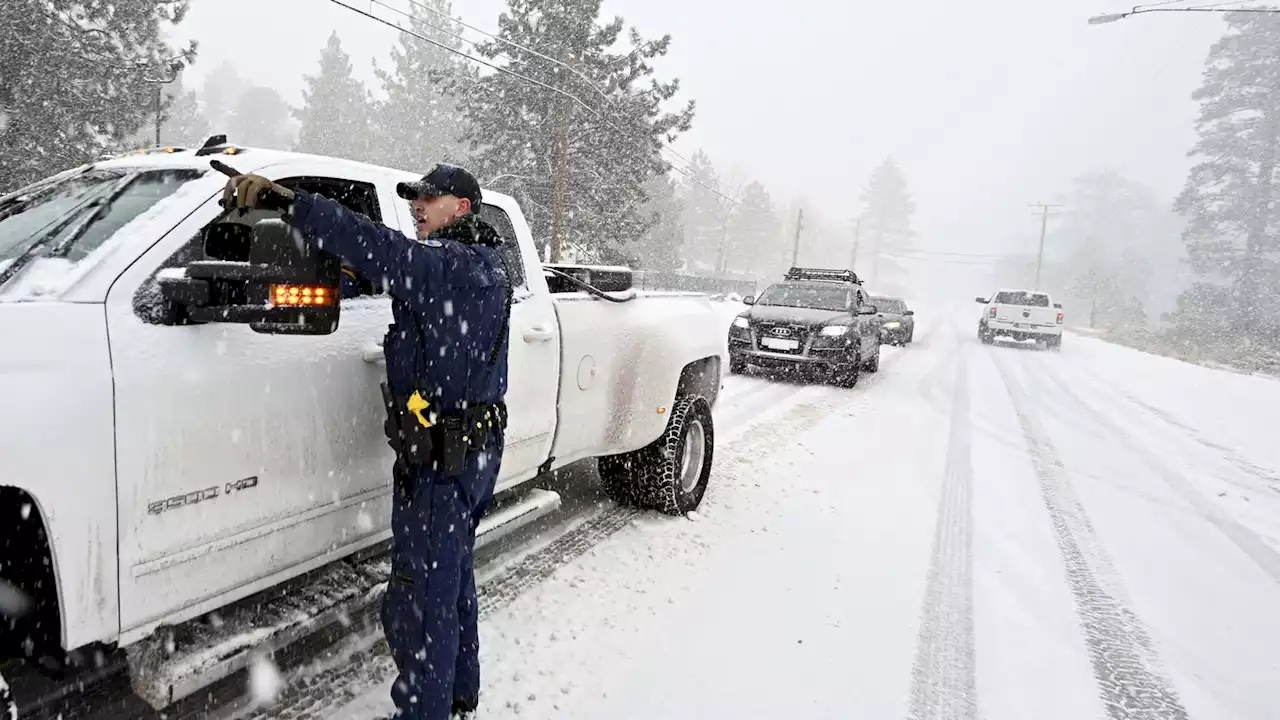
pixel 432 242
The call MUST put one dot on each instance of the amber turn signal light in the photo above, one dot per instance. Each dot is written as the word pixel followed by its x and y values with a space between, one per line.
pixel 301 295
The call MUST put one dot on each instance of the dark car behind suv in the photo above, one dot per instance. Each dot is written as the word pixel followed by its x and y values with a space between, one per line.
pixel 897 321
pixel 814 320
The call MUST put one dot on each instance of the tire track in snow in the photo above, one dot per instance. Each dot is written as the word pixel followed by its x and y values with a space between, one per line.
pixel 1131 685
pixel 943 680
pixel 1264 555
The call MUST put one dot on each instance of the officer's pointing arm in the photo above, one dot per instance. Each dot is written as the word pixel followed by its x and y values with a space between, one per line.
pixel 377 251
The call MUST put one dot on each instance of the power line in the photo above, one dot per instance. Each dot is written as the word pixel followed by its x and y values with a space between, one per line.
pixel 455 51
pixel 521 77
pixel 490 35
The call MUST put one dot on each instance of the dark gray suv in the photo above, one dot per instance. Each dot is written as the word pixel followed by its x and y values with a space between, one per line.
pixel 814 320
pixel 897 321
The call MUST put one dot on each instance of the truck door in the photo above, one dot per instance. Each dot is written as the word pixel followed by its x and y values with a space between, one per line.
pixel 243 458
pixel 533 364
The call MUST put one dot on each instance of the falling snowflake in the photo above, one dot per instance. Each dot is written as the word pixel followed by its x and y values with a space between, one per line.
pixel 265 681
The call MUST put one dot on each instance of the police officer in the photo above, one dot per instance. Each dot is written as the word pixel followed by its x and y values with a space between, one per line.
pixel 446 378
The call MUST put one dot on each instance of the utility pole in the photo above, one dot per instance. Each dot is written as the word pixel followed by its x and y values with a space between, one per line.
pixel 1044 225
pixel 795 247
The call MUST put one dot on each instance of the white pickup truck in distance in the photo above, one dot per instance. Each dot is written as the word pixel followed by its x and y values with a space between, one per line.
pixel 160 464
pixel 1021 315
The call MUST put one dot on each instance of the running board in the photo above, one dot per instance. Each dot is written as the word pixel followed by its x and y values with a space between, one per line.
pixel 511 515
pixel 175 663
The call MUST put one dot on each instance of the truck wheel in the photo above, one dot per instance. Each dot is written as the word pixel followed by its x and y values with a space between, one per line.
pixel 985 335
pixel 1054 343
pixel 873 365
pixel 847 375
pixel 670 474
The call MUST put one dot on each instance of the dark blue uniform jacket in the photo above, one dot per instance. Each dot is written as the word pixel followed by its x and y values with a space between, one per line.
pixel 449 300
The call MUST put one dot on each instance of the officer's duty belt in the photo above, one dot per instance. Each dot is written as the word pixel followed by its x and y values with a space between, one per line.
pixel 448 439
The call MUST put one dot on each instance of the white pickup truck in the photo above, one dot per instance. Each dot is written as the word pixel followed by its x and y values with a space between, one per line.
pixel 1021 315
pixel 155 469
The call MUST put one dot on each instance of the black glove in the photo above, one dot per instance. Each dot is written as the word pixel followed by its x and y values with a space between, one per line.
pixel 254 192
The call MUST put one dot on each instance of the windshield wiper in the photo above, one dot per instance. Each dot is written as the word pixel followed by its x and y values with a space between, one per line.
pixel 18 201
pixel 96 207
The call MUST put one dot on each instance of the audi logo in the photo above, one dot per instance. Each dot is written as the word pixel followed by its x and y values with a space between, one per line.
pixel 781 332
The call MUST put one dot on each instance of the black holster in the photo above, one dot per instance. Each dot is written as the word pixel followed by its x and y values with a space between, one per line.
pixel 445 444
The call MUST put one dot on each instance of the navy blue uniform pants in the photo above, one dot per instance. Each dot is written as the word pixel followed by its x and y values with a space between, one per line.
pixel 429 614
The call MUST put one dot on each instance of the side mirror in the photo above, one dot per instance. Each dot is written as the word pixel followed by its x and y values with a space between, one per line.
pixel 908 312
pixel 867 310
pixel 749 300
pixel 1058 305
pixel 285 286
pixel 980 300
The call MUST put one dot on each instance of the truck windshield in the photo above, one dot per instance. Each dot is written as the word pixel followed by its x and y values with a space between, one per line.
pixel 805 296
pixel 1025 299
pixel 40 213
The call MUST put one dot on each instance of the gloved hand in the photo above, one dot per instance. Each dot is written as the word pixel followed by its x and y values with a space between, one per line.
pixel 254 192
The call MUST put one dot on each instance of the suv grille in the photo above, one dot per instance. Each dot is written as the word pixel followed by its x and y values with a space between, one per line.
pixel 799 333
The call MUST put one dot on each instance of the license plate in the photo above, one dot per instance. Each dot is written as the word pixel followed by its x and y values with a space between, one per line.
pixel 780 344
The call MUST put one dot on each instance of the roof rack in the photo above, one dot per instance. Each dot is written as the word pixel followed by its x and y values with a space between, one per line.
pixel 846 276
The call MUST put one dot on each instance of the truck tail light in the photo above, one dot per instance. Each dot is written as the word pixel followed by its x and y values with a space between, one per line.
pixel 991 312
pixel 1059 318
pixel 301 295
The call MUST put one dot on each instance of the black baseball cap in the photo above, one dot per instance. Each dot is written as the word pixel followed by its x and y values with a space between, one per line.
pixel 442 180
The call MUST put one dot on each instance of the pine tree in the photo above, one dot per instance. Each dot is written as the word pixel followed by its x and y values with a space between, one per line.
pixel 753 241
pixel 222 88
pixel 659 248
pixel 75 79
pixel 260 118
pixel 1111 229
pixel 183 122
pixel 335 118
pixel 421 122
pixel 579 172
pixel 886 215
pixel 1230 198
pixel 705 215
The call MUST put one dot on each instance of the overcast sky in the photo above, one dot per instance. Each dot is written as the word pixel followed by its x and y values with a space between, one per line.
pixel 987 104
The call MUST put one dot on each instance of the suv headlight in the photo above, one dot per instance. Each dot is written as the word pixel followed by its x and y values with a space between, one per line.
pixel 741 322
pixel 893 324
pixel 834 330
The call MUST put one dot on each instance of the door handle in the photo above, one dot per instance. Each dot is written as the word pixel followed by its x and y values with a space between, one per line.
pixel 372 353
pixel 538 334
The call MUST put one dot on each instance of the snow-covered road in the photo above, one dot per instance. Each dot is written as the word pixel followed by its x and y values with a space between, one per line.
pixel 994 532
